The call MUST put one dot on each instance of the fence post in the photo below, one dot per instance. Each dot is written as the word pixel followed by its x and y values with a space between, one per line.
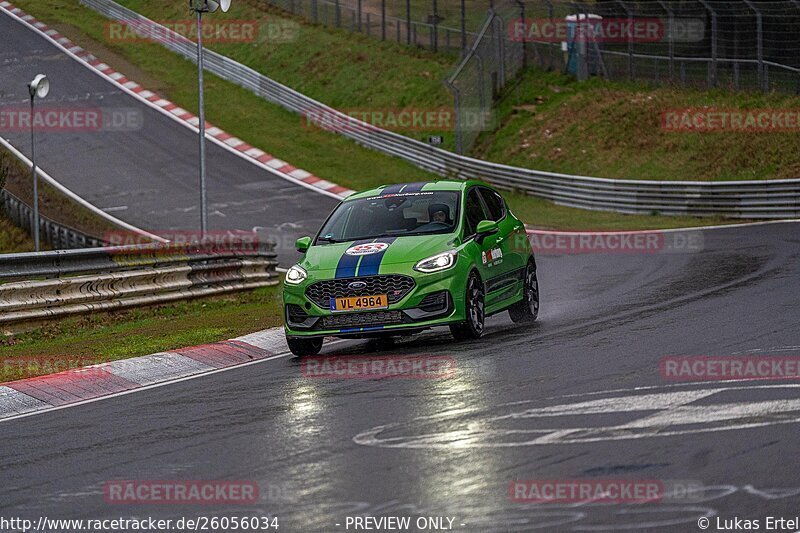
pixel 457 107
pixel 369 24
pixel 759 45
pixel 314 13
pixel 581 45
pixel 552 25
pixel 463 29
pixel 338 15
pixel 481 83
pixel 521 5
pixel 408 21
pixel 631 68
pixel 358 7
pixel 670 38
pixel 435 34
pixel 712 72
pixel 383 20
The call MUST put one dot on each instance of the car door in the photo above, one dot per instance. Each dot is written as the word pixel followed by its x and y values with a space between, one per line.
pixel 508 271
pixel 490 260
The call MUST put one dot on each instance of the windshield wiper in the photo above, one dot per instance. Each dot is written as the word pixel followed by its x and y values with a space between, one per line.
pixel 328 239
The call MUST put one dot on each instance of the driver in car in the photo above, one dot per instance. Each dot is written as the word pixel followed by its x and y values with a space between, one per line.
pixel 439 213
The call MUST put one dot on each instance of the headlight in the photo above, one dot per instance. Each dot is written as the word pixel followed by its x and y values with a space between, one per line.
pixel 295 275
pixel 437 262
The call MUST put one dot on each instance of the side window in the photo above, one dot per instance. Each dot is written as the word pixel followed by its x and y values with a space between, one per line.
pixel 473 212
pixel 495 203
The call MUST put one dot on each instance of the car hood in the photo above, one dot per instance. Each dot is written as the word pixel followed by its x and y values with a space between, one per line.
pixel 382 251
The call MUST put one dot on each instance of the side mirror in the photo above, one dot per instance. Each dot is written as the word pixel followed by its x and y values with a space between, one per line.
pixel 303 244
pixel 485 228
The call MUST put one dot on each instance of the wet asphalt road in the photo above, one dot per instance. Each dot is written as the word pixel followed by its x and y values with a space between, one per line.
pixel 144 170
pixel 323 449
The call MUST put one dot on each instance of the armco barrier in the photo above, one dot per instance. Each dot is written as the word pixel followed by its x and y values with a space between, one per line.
pixel 67 282
pixel 55 234
pixel 737 199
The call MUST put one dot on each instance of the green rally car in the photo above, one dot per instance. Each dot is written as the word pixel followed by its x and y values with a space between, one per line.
pixel 398 259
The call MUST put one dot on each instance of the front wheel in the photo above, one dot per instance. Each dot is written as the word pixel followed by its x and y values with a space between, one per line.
pixel 527 309
pixel 301 347
pixel 472 327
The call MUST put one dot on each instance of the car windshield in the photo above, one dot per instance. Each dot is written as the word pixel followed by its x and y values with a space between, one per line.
pixel 417 213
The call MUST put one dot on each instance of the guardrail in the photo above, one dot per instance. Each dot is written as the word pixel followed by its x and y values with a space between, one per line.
pixel 67 282
pixel 736 199
pixel 54 233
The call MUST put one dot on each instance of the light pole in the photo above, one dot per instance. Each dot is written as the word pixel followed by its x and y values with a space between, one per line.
pixel 40 86
pixel 200 7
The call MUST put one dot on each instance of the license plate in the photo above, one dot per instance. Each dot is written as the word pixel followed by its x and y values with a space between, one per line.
pixel 360 303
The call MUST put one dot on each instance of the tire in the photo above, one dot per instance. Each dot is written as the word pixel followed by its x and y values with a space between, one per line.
pixel 475 310
pixel 301 347
pixel 527 309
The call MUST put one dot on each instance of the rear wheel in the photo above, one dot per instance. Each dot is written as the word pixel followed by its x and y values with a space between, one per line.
pixel 301 347
pixel 527 309
pixel 472 327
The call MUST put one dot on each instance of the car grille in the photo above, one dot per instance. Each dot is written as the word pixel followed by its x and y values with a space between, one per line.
pixel 378 318
pixel 395 286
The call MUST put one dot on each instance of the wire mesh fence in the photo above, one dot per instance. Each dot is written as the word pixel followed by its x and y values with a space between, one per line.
pixel 438 25
pixel 736 45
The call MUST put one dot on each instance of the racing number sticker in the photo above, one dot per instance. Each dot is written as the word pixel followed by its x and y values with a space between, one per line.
pixel 367 249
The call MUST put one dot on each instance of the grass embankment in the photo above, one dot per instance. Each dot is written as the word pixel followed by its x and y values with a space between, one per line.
pixel 86 340
pixel 551 122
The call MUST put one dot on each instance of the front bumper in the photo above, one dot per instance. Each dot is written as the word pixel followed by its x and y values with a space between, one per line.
pixel 436 299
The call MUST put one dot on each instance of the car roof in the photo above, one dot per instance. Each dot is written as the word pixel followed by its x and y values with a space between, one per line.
pixel 427 186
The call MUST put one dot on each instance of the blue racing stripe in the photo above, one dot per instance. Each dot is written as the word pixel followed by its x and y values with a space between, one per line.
pixel 392 189
pixel 348 263
pixel 414 187
pixel 404 187
pixel 371 263
pixel 366 328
